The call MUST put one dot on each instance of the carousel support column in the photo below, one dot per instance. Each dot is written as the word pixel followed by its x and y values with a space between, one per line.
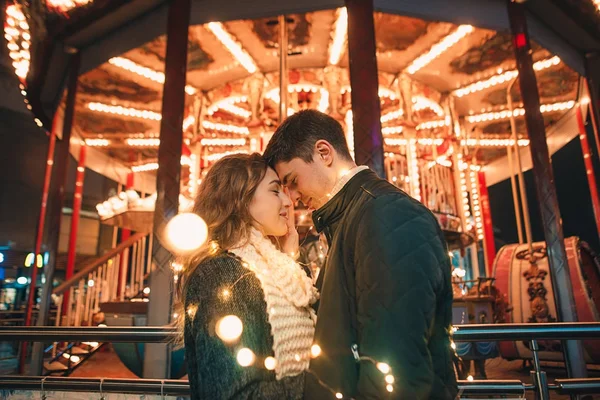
pixel 488 228
pixel 589 168
pixel 283 71
pixel 366 111
pixel 61 160
pixel 77 197
pixel 546 192
pixel 521 179
pixel 38 239
pixel 157 357
pixel 592 80
pixel 125 234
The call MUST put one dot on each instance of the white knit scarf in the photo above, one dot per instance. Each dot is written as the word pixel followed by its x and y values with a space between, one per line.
pixel 289 292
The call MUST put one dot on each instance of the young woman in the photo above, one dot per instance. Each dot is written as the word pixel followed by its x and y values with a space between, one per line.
pixel 249 325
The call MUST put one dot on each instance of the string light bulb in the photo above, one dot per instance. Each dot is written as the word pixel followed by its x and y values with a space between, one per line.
pixel 232 46
pixel 229 328
pixel 245 357
pixel 186 232
pixel 439 48
pixel 339 36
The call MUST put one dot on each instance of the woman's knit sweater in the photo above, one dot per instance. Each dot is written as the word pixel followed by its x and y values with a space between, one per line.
pixel 221 286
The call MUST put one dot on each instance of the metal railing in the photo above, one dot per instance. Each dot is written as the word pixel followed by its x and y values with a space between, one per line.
pixel 471 333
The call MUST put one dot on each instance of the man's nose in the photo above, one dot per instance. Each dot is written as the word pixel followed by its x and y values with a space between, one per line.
pixel 295 196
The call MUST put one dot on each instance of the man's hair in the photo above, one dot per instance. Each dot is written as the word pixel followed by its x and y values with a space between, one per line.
pixel 297 135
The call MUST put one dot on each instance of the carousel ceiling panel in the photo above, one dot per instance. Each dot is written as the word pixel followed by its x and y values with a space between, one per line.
pixel 223 66
pixel 439 72
pixel 397 57
pixel 106 83
pixel 103 124
pixel 555 85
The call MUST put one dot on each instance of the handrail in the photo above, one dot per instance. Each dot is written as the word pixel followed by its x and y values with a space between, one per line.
pixel 101 385
pixel 155 334
pixel 514 332
pixel 175 387
pixel 120 334
pixel 92 266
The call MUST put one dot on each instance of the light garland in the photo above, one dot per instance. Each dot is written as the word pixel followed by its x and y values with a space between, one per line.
pixel 439 48
pixel 392 115
pixel 433 124
pixel 97 142
pixel 464 195
pixel 476 205
pixel 225 128
pixel 413 169
pixel 156 76
pixel 229 104
pixel 223 142
pixel 503 77
pixel 392 130
pixel 145 167
pixel 188 121
pixel 494 142
pixel 126 111
pixel 273 95
pixel 143 142
pixel 193 186
pixel 518 112
pixel 422 103
pixel 232 46
pixel 65 5
pixel 421 141
pixel 350 132
pixel 339 36
pixel 18 37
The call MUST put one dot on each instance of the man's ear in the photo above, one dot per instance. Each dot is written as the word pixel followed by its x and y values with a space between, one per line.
pixel 325 151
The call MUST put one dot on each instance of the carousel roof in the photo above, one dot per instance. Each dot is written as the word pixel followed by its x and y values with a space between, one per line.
pixel 233 68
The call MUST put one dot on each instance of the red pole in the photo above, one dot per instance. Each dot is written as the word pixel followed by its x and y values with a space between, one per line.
pixel 38 239
pixel 589 169
pixel 486 216
pixel 77 197
pixel 125 234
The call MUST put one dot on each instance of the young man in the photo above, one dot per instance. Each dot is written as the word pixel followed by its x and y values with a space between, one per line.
pixel 386 293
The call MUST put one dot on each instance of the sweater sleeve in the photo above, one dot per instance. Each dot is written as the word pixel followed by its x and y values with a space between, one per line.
pixel 396 259
pixel 222 287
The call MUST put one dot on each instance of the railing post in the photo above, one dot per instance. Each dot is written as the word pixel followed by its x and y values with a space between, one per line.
pixel 61 158
pixel 546 191
pixel 366 109
pixel 540 380
pixel 157 356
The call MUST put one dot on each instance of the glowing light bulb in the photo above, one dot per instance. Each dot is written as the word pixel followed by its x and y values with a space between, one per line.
pixel 229 328
pixel 270 363
pixel 383 367
pixel 186 232
pixel 315 350
pixel 245 357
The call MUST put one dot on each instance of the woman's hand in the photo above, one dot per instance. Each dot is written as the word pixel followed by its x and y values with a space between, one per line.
pixel 290 241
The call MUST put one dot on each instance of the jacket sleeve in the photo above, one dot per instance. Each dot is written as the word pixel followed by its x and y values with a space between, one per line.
pixel 397 264
pixel 213 368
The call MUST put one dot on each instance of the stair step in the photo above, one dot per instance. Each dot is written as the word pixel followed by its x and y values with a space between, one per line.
pixel 78 350
pixel 55 366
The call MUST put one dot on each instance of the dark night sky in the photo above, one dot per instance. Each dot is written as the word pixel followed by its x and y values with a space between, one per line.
pixel 573 197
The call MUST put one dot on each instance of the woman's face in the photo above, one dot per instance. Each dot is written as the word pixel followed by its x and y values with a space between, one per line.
pixel 270 206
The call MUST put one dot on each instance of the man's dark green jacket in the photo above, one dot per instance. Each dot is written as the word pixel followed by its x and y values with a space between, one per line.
pixel 386 290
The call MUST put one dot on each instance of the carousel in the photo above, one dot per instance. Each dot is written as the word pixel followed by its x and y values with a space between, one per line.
pixel 452 122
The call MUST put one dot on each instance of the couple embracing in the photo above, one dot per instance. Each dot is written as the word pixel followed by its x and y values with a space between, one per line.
pixel 373 324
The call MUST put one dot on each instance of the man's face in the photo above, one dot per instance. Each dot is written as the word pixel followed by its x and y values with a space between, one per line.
pixel 307 182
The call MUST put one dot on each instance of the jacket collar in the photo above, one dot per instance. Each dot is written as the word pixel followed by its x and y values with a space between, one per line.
pixel 334 209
